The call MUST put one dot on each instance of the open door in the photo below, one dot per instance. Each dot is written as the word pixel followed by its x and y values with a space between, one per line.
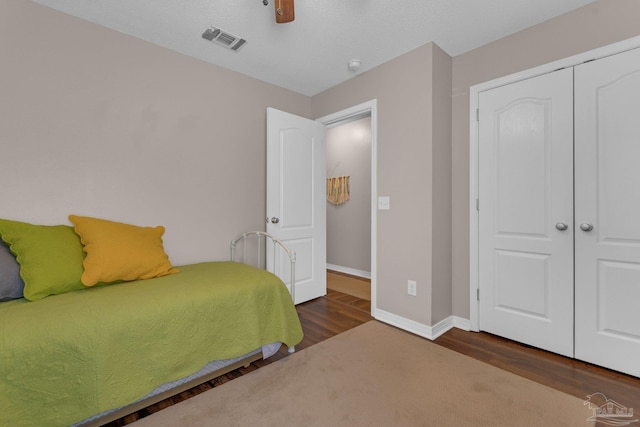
pixel 296 201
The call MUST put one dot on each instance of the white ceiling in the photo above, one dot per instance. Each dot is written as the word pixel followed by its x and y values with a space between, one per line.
pixel 311 53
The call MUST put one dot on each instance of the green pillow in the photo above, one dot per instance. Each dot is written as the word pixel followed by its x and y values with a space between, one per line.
pixel 50 257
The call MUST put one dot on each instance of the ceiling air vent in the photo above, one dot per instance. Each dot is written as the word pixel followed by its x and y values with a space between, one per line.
pixel 223 38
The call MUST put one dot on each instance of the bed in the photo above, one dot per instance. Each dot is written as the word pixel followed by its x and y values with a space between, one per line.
pixel 90 356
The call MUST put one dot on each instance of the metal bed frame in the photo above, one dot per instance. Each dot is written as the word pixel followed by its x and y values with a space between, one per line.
pixel 269 256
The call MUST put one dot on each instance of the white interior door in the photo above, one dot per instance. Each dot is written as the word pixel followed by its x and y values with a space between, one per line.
pixel 296 196
pixel 607 114
pixel 526 211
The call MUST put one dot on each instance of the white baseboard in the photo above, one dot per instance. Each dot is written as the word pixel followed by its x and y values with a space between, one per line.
pixel 461 323
pixel 429 332
pixel 349 270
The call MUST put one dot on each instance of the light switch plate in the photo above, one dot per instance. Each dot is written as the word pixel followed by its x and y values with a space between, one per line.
pixel 384 203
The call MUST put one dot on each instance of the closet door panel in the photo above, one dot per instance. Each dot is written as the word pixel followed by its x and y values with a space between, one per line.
pixel 526 194
pixel 607 197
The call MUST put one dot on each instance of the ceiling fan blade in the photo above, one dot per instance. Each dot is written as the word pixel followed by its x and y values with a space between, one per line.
pixel 284 11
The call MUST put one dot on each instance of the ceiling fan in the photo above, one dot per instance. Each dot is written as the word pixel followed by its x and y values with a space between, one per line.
pixel 284 10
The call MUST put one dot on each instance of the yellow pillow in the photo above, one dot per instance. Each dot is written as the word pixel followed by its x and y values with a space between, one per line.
pixel 117 251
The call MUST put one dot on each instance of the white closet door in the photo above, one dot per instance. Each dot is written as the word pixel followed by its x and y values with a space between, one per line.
pixel 526 200
pixel 607 185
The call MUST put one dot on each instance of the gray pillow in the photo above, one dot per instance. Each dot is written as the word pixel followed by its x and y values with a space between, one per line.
pixel 11 285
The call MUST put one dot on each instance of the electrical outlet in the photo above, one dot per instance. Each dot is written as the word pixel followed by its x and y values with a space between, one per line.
pixel 411 287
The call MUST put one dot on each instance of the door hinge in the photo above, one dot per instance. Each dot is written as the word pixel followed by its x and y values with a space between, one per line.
pixel 478 294
pixel 478 205
pixel 477 114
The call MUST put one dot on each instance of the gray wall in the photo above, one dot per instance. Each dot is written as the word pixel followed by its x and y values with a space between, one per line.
pixel 407 142
pixel 95 122
pixel 441 204
pixel 349 224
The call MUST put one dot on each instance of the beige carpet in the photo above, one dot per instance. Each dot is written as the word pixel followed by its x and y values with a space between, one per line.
pixel 376 375
pixel 356 287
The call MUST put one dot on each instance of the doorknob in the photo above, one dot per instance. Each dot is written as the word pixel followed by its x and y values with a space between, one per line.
pixel 275 220
pixel 585 226
pixel 562 226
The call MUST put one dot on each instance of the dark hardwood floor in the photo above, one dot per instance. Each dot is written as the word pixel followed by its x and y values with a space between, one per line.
pixel 325 317
pixel 571 376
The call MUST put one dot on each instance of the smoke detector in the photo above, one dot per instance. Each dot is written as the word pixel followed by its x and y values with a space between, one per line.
pixel 223 38
pixel 354 65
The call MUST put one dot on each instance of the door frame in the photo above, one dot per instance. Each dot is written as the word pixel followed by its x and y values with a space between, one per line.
pixel 474 91
pixel 368 108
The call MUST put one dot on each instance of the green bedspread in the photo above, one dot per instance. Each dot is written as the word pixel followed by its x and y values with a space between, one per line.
pixel 71 356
